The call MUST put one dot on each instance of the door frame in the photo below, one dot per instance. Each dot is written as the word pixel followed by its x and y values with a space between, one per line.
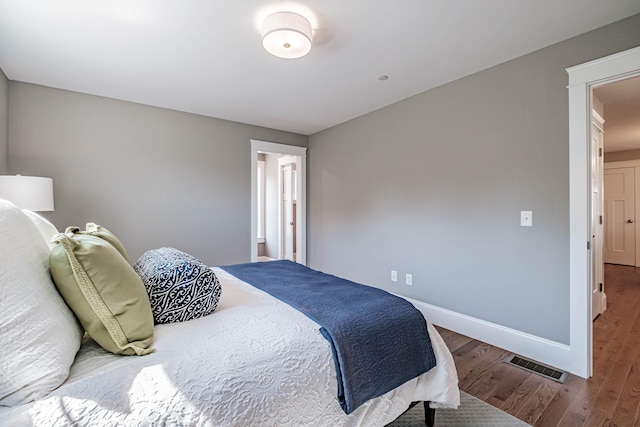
pixel 258 146
pixel 582 79
pixel 282 162
pixel 598 304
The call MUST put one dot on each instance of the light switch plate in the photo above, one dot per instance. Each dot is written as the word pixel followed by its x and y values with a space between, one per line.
pixel 526 218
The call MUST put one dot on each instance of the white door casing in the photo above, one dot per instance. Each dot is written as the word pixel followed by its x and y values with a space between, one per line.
pixel 620 228
pixel 286 166
pixel 598 298
pixel 258 146
pixel 582 79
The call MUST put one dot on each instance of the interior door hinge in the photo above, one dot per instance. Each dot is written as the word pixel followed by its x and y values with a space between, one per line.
pixel 600 219
pixel 601 287
pixel 599 152
pixel 588 245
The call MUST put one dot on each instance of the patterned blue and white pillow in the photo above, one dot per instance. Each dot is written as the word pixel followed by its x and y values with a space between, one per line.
pixel 179 286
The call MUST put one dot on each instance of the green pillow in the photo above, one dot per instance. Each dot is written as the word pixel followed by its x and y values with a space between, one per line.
pixel 104 292
pixel 103 233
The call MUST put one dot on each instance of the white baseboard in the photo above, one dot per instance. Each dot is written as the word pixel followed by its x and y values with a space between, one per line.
pixel 530 346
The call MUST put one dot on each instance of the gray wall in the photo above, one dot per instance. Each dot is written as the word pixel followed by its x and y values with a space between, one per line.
pixel 434 186
pixel 154 177
pixel 4 118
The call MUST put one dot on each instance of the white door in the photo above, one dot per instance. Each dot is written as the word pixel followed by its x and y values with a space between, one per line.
pixel 620 227
pixel 597 218
pixel 287 212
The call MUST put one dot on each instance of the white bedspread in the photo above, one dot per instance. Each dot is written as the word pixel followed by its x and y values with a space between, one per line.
pixel 254 361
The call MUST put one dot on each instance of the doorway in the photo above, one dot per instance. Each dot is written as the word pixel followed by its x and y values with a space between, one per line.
pixel 582 80
pixel 278 209
pixel 614 188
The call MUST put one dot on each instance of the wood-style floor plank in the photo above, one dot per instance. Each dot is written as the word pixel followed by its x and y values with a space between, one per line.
pixel 627 411
pixel 539 402
pixel 522 395
pixel 506 388
pixel 557 408
pixel 610 398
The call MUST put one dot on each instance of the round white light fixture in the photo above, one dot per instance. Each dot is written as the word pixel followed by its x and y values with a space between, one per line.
pixel 286 35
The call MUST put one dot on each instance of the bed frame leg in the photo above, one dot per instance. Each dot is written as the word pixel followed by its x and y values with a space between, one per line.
pixel 429 415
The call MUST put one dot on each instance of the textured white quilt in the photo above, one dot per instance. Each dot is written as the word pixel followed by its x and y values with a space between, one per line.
pixel 254 361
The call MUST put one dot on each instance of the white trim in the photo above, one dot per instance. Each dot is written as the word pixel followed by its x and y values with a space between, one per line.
pixel 598 121
pixel 282 161
pixel 539 349
pixel 614 67
pixel 258 146
pixel 582 78
pixel 622 164
pixel 261 201
pixel 599 304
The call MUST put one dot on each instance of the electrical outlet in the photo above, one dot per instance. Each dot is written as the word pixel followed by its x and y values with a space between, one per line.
pixel 409 279
pixel 394 276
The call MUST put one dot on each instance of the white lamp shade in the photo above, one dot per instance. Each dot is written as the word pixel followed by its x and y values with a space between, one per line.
pixel 286 35
pixel 34 193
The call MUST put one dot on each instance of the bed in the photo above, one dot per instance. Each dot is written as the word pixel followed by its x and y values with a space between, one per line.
pixel 254 361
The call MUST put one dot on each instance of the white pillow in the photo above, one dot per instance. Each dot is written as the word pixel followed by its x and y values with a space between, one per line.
pixel 46 229
pixel 39 335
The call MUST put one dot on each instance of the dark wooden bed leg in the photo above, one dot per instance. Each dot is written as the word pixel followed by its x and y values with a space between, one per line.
pixel 429 415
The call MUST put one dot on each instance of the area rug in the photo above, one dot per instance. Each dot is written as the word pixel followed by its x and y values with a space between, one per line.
pixel 471 413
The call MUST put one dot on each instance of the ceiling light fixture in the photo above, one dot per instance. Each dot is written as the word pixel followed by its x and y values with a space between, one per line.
pixel 286 35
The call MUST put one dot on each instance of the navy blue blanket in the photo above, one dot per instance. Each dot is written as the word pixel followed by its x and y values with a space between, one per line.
pixel 379 341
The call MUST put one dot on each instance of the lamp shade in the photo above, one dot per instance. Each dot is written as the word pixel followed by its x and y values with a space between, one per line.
pixel 34 193
pixel 286 35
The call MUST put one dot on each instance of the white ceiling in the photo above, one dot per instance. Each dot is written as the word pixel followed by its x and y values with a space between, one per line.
pixel 206 57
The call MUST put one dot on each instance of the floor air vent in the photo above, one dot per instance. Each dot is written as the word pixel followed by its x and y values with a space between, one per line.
pixel 538 368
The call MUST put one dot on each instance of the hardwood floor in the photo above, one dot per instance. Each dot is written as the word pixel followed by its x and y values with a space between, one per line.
pixel 610 398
